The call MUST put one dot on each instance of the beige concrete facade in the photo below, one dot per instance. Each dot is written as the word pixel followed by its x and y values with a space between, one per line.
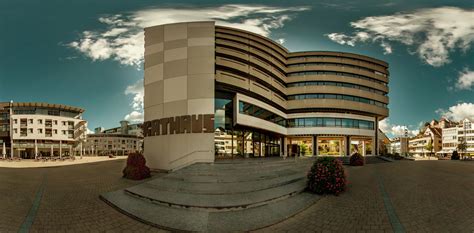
pixel 186 64
pixel 179 80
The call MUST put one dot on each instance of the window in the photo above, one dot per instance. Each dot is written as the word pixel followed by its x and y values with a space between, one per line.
pixel 329 122
pixel 15 130
pixel 40 121
pixel 30 121
pixel 40 131
pixel 55 131
pixel 23 133
pixel 15 121
pixel 258 112
pixel 55 122
pixel 30 130
pixel 53 112
pixel 347 123
pixel 336 96
pixel 64 123
pixel 63 132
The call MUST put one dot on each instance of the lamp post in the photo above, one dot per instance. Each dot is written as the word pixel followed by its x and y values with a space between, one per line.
pixel 11 129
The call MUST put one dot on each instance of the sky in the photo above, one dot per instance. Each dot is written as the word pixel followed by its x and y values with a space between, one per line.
pixel 89 53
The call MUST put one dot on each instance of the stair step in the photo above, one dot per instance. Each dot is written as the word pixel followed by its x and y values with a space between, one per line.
pixel 187 186
pixel 238 176
pixel 216 169
pixel 207 221
pixel 216 200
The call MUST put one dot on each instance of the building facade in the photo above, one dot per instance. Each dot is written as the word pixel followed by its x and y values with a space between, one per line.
pixel 28 130
pixel 123 140
pixel 463 132
pixel 419 145
pixel 398 146
pixel 219 92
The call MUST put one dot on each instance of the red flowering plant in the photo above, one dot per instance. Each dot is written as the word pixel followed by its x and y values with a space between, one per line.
pixel 136 168
pixel 327 176
pixel 356 160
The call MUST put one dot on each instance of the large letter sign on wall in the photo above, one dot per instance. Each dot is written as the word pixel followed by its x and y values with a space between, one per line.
pixel 202 123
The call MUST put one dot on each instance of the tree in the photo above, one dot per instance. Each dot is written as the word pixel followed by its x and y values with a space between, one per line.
pixel 455 156
pixel 462 146
pixel 429 147
pixel 303 148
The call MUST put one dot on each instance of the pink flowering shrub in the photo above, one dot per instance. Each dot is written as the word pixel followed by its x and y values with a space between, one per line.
pixel 327 176
pixel 357 160
pixel 136 168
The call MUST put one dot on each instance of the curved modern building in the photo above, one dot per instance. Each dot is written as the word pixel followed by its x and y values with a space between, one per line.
pixel 217 92
pixel 30 129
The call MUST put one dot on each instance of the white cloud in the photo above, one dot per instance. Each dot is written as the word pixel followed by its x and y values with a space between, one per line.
pixel 458 112
pixel 281 40
pixel 137 91
pixel 465 80
pixel 393 130
pixel 435 32
pixel 123 39
pixel 88 131
pixel 342 39
pixel 134 116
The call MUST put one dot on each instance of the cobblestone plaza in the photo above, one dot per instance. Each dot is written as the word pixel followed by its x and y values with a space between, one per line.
pixel 426 196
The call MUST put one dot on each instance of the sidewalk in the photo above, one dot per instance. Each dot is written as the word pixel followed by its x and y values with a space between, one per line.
pixel 30 163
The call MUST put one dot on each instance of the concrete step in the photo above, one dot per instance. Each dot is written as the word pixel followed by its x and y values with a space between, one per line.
pixel 187 186
pixel 180 219
pixel 216 168
pixel 236 176
pixel 216 199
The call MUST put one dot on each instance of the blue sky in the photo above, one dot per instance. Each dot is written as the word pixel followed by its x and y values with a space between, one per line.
pixel 89 53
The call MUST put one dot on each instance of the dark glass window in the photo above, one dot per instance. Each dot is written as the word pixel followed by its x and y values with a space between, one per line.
pixel 337 96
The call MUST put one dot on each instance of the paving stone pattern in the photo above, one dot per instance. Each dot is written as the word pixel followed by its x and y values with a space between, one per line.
pixel 428 196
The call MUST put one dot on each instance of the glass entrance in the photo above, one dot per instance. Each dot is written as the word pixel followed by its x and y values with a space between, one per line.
pixel 362 146
pixel 300 146
pixel 330 146
pixel 231 141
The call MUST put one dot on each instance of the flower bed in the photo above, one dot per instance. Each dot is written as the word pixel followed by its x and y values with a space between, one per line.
pixel 136 168
pixel 327 176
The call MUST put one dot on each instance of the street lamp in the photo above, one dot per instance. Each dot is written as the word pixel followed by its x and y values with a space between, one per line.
pixel 11 129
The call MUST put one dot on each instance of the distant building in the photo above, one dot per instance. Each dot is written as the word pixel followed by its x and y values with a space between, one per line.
pixel 430 133
pixel 122 140
pixel 398 146
pixel 462 131
pixel 28 130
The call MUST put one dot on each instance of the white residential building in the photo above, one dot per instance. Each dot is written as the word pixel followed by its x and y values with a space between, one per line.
pixel 398 146
pixel 29 130
pixel 417 146
pixel 450 141
pixel 454 135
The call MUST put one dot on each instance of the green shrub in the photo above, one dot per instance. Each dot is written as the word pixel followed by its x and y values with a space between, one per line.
pixel 357 160
pixel 136 168
pixel 327 176
pixel 455 156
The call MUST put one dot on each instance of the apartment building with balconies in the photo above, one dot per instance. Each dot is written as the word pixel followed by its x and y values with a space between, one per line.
pixel 29 130
pixel 462 132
